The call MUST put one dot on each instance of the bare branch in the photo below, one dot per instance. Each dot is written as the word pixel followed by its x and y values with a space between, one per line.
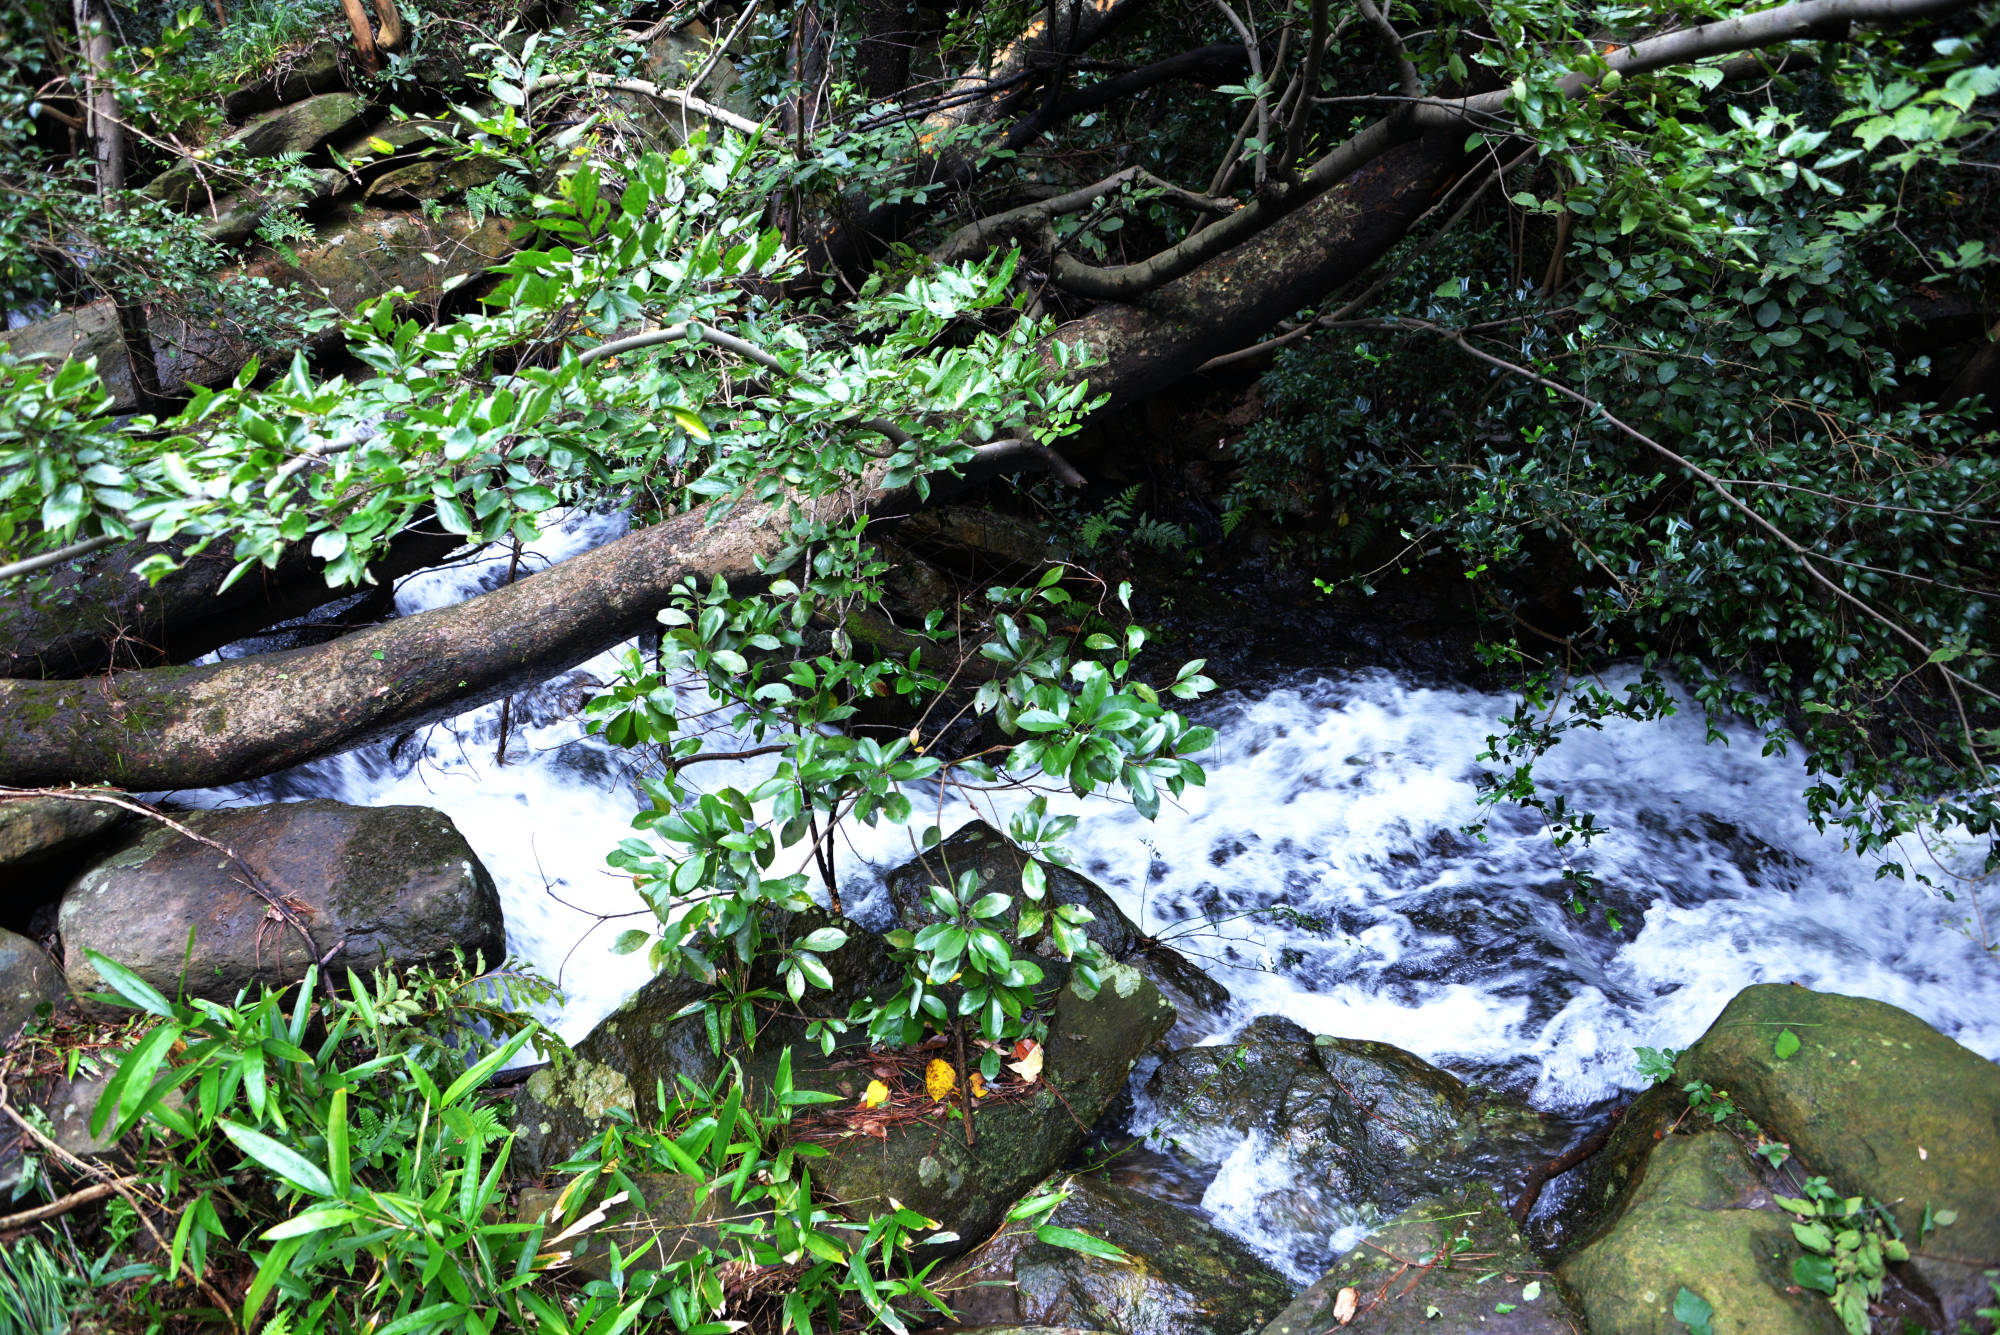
pixel 1406 72
pixel 1263 105
pixel 1316 44
pixel 1768 27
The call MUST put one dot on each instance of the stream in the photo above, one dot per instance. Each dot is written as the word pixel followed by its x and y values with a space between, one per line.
pixel 1323 874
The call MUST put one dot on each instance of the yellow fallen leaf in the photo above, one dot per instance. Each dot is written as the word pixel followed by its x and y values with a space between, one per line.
pixel 1344 1304
pixel 939 1078
pixel 1029 1068
pixel 977 1084
pixel 875 1095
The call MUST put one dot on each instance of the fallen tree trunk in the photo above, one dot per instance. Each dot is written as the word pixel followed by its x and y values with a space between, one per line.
pixel 190 727
pixel 97 616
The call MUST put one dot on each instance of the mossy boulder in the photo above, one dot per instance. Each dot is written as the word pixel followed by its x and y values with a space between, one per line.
pixel 1182 1275
pixel 1340 1128
pixel 1450 1263
pixel 30 983
pixel 1088 1054
pixel 371 884
pixel 979 848
pixel 297 128
pixel 1881 1104
pixel 431 178
pixel 296 75
pixel 349 262
pixel 1701 1219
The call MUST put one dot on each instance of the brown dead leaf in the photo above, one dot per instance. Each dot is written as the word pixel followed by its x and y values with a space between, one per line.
pixel 1029 1068
pixel 1344 1304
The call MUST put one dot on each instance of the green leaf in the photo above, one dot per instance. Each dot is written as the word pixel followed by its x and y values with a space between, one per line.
pixel 476 1074
pixel 1072 1240
pixel 435 1315
pixel 130 985
pixel 1813 1272
pixel 1787 1044
pixel 283 1160
pixel 316 1220
pixel 1694 1312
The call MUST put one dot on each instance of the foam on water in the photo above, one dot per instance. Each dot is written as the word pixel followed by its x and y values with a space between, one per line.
pixel 1321 874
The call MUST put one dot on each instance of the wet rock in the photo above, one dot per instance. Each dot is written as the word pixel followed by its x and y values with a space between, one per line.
pixel 371 885
pixel 1331 1130
pixel 42 841
pixel 979 848
pixel 645 1042
pixel 1446 1264
pixel 1881 1104
pixel 298 75
pixel 1183 1276
pixel 1699 1219
pixel 297 128
pixel 431 178
pixel 30 984
pixel 1089 1051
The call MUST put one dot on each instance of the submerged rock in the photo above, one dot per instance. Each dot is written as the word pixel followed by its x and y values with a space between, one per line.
pixel 1882 1105
pixel 985 851
pixel 371 884
pixel 1700 1219
pixel 1182 1275
pixel 1450 1263
pixel 1337 1128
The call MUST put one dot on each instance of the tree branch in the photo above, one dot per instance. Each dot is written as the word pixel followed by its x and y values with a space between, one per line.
pixel 687 101
pixel 1316 44
pixel 1768 27
pixel 982 234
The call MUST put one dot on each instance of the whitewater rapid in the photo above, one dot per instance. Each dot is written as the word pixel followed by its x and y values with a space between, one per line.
pixel 1323 873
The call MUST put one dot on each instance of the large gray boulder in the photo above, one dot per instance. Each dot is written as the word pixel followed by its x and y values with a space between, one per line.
pixel 658 1038
pixel 297 128
pixel 372 885
pixel 43 838
pixel 968 1189
pixel 1183 1276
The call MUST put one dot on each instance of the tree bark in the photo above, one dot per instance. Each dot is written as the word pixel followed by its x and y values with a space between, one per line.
pixel 191 727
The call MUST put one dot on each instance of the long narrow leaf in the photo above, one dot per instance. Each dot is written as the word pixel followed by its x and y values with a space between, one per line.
pixel 130 985
pixel 476 1074
pixel 283 1160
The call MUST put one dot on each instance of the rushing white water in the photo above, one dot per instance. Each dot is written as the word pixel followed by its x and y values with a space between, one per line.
pixel 1321 874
